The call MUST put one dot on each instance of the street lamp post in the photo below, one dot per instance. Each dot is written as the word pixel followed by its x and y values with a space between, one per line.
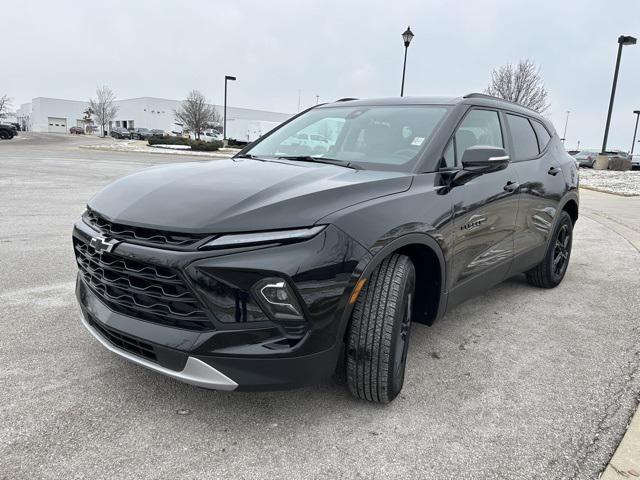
pixel 566 122
pixel 637 112
pixel 224 122
pixel 407 36
pixel 622 41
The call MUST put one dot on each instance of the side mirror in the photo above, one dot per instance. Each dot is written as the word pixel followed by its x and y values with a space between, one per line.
pixel 484 159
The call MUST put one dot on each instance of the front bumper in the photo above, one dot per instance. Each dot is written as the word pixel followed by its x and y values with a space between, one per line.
pixel 241 349
pixel 195 371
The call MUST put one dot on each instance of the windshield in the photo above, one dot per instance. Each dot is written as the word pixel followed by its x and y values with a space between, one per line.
pixel 372 137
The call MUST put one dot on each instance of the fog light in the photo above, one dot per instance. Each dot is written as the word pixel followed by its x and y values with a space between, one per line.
pixel 277 299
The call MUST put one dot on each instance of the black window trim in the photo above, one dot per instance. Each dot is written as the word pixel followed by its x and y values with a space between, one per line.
pixel 511 143
pixel 452 137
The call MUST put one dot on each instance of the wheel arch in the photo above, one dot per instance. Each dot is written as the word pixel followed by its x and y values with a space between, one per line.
pixel 571 207
pixel 429 262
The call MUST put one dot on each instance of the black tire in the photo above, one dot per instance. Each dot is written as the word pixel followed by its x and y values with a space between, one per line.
pixel 379 331
pixel 4 135
pixel 550 272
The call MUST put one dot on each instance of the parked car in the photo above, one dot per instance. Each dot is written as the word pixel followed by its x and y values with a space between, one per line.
pixel 206 136
pixel 120 132
pixel 157 132
pixel 635 160
pixel 7 131
pixel 76 130
pixel 141 133
pixel 260 271
pixel 586 158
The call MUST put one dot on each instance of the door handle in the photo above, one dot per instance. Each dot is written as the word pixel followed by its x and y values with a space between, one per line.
pixel 511 186
pixel 553 171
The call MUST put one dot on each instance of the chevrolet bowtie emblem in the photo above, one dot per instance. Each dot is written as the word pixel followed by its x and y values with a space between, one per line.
pixel 103 245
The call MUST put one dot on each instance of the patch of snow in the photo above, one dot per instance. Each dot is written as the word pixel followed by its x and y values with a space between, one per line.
pixel 609 181
pixel 173 147
pixel 137 146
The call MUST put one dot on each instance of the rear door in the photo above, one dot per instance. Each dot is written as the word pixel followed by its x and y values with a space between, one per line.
pixel 485 210
pixel 541 188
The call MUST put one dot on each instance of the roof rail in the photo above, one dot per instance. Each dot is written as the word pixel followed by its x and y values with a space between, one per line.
pixel 485 95
pixel 345 99
pixel 491 97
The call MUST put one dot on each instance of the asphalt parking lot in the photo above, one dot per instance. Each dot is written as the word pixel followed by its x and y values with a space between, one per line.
pixel 517 383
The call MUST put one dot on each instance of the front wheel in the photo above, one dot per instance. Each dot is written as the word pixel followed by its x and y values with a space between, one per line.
pixel 379 331
pixel 550 272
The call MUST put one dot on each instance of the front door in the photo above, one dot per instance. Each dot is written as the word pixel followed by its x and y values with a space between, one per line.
pixel 485 210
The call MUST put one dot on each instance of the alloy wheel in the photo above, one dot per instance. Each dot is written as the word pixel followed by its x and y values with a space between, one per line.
pixel 561 251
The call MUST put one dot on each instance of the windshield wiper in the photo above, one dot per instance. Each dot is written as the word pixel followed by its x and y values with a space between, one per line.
pixel 330 161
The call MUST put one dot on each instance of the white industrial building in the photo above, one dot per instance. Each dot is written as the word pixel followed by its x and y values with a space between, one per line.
pixel 57 116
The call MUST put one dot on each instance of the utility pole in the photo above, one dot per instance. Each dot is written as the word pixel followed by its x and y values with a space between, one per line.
pixel 224 122
pixel 622 41
pixel 566 122
pixel 633 144
pixel 407 36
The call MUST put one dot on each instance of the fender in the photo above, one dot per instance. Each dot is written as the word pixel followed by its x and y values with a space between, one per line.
pixel 367 265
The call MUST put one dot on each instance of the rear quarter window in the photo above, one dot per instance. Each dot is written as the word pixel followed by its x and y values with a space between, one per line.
pixel 525 142
pixel 542 134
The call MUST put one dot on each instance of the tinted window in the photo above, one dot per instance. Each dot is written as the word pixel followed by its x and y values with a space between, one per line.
pixel 541 132
pixel 525 143
pixel 479 127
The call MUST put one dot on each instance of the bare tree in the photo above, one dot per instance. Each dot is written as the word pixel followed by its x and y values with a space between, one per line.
pixel 196 113
pixel 5 105
pixel 520 84
pixel 103 107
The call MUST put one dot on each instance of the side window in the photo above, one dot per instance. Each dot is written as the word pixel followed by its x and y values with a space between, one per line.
pixel 542 133
pixel 525 143
pixel 479 127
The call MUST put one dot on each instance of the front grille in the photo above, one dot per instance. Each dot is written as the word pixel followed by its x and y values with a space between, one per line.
pixel 140 234
pixel 141 290
pixel 125 342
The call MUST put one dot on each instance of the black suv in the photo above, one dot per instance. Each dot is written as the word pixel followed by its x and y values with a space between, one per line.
pixel 121 133
pixel 274 267
pixel 8 131
pixel 141 134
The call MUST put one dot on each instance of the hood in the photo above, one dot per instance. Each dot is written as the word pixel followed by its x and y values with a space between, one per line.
pixel 238 195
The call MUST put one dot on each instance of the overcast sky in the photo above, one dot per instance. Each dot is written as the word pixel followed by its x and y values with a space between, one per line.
pixel 328 48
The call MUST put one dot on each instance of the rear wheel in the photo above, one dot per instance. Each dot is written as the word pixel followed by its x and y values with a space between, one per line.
pixel 379 331
pixel 550 272
pixel 4 135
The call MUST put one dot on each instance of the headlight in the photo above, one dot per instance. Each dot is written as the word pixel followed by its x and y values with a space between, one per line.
pixel 279 236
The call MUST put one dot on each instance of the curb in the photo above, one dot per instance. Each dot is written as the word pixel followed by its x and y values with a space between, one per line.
pixel 604 190
pixel 625 462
